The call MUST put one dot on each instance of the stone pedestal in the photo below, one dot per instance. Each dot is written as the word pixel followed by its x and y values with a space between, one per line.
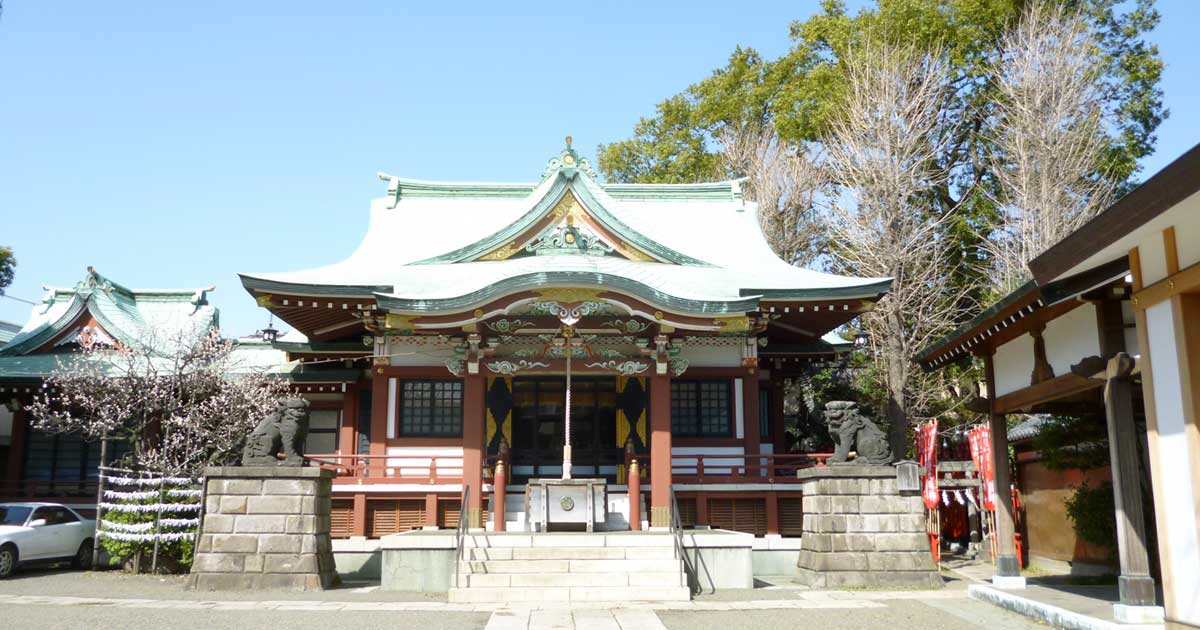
pixel 265 527
pixel 569 502
pixel 860 531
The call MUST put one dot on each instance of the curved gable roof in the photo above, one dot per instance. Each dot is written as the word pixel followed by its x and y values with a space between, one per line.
pixel 132 317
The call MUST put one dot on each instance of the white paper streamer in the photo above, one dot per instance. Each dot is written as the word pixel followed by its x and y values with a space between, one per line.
pixel 971 498
pixel 183 492
pixel 945 498
pixel 179 522
pixel 150 481
pixel 150 507
pixel 958 496
pixel 166 537
pixel 133 495
pixel 126 527
pixel 148 525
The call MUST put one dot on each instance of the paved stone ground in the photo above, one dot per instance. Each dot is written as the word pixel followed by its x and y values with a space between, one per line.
pixel 63 599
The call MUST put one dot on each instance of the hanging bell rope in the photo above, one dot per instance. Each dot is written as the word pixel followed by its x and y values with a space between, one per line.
pixel 566 466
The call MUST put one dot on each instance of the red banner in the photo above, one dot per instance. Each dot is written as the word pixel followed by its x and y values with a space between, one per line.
pixel 927 458
pixel 980 439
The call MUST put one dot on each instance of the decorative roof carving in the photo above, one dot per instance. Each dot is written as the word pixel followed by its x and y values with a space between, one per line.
pixel 567 238
pixel 569 159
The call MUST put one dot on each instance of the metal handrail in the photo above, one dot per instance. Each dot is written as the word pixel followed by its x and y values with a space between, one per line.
pixel 676 524
pixel 463 512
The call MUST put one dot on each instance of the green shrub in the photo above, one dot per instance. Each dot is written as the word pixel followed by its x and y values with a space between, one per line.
pixel 1092 513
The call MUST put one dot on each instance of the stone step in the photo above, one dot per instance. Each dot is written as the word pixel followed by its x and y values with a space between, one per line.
pixel 639 565
pixel 599 539
pixel 546 580
pixel 567 553
pixel 483 595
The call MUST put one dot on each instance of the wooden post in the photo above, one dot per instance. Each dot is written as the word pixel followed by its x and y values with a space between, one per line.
pixel 360 514
pixel 635 495
pixel 772 501
pixel 1136 585
pixel 101 473
pixel 753 432
pixel 379 422
pixel 473 423
pixel 1008 566
pixel 431 509
pixel 660 451
pixel 499 494
pixel 157 530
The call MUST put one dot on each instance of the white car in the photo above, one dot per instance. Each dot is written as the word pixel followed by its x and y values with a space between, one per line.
pixel 43 532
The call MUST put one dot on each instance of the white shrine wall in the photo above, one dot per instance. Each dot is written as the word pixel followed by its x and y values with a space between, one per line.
pixel 1071 337
pixel 1013 364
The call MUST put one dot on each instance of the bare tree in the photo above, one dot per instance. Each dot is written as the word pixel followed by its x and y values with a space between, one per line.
pixel 179 403
pixel 786 182
pixel 1049 137
pixel 883 146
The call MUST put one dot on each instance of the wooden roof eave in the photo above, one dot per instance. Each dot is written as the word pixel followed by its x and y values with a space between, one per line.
pixel 1014 306
pixel 604 282
pixel 262 286
pixel 984 331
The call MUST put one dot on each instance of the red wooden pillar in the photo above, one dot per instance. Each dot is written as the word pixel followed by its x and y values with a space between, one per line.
pixel 16 448
pixel 431 509
pixel 660 451
pixel 347 439
pixel 772 500
pixel 380 421
pixel 702 509
pixel 473 422
pixel 360 515
pixel 635 495
pixel 753 432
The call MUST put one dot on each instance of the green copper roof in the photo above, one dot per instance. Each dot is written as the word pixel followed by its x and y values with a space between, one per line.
pixel 564 181
pixel 8 330
pixel 427 248
pixel 132 317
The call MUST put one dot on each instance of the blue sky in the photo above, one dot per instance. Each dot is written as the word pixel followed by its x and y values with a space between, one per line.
pixel 177 144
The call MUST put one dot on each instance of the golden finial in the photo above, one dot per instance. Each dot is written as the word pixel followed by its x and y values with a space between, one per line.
pixel 568 142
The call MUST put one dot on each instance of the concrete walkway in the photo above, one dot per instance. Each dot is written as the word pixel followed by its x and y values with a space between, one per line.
pixel 1050 599
pixel 45 599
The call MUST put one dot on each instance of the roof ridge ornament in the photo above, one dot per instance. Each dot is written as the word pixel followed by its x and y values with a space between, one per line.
pixel 568 162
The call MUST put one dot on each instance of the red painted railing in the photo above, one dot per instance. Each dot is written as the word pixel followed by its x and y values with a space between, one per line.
pixel 736 467
pixel 447 469
pixel 403 468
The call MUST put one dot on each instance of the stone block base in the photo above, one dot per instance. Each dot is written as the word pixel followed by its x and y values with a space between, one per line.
pixel 265 528
pixel 1009 582
pixel 1138 614
pixel 859 531
pixel 858 579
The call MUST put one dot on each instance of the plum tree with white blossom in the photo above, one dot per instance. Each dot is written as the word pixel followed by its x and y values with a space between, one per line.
pixel 179 402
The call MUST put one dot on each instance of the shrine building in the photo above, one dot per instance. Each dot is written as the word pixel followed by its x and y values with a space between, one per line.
pixel 476 321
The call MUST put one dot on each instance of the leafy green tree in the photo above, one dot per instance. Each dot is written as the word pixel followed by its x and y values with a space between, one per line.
pixel 797 93
pixel 800 97
pixel 8 266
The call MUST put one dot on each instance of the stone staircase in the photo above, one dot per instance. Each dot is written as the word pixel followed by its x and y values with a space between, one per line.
pixel 569 567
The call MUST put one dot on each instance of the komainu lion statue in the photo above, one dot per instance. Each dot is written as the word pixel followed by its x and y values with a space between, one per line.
pixel 282 431
pixel 853 431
